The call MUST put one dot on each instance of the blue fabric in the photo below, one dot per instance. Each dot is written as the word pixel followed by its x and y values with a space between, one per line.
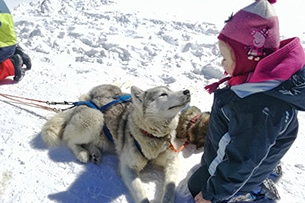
pixel 6 52
pixel 3 7
pixel 258 201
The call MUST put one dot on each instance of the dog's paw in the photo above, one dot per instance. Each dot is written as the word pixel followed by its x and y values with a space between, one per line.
pixel 167 199
pixel 169 193
pixel 145 201
pixel 83 156
pixel 96 157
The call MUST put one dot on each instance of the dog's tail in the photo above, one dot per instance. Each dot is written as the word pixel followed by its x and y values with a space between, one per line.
pixel 52 130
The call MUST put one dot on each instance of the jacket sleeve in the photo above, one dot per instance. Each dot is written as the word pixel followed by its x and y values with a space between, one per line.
pixel 254 125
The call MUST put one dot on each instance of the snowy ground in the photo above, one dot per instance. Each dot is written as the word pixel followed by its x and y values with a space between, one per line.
pixel 76 45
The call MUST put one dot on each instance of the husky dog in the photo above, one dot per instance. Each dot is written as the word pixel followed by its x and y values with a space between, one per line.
pixel 141 130
pixel 193 125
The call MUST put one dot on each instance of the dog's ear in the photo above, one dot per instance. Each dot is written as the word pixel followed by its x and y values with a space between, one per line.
pixel 136 94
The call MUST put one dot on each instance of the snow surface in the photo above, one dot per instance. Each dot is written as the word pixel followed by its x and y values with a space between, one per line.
pixel 76 45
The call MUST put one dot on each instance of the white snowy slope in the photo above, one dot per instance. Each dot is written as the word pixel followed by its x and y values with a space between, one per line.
pixel 76 45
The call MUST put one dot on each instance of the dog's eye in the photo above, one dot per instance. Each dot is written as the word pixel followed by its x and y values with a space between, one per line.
pixel 163 95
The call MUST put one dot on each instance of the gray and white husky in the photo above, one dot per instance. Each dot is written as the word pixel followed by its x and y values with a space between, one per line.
pixel 138 129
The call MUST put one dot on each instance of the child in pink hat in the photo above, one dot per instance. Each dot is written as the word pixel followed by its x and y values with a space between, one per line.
pixel 253 121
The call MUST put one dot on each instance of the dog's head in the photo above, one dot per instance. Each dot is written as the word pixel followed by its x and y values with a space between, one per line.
pixel 193 126
pixel 185 121
pixel 198 131
pixel 159 105
pixel 160 101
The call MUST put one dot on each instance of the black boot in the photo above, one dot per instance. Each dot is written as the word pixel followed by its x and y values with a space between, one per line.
pixel 26 59
pixel 19 71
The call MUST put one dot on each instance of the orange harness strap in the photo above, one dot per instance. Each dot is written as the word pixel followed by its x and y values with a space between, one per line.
pixel 172 147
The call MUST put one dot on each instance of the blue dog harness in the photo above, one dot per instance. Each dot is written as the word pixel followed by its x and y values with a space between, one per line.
pixel 119 99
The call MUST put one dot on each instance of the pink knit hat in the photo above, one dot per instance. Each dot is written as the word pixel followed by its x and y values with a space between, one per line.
pixel 252 33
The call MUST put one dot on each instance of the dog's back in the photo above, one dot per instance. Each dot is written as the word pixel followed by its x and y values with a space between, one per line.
pixel 116 103
pixel 56 127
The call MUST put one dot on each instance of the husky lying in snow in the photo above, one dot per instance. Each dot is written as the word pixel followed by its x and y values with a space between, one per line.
pixel 139 130
pixel 193 125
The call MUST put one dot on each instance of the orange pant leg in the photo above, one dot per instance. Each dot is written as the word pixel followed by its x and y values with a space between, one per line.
pixel 6 69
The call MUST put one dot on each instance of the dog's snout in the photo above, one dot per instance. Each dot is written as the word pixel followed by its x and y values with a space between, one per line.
pixel 186 92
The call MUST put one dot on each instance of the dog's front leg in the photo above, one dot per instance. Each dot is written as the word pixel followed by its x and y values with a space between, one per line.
pixel 134 184
pixel 81 154
pixel 170 176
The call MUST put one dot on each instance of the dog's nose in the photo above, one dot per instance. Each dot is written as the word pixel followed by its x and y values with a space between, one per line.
pixel 186 92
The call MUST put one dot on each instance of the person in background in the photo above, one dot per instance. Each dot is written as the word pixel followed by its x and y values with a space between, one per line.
pixel 12 56
pixel 253 120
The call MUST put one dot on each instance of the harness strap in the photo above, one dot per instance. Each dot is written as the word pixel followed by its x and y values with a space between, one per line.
pixel 191 122
pixel 138 146
pixel 107 133
pixel 118 99
pixel 194 119
pixel 122 98
pixel 87 103
pixel 172 147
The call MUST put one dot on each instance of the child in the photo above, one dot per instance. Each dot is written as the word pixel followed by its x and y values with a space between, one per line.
pixel 12 57
pixel 253 121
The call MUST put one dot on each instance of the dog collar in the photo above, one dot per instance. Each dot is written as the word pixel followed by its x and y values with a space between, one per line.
pixel 146 133
pixel 192 121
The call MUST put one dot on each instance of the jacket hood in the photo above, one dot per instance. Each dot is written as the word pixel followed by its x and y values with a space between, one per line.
pixel 292 91
pixel 281 64
pixel 281 75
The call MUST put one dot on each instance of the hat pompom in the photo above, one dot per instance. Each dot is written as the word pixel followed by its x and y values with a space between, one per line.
pixel 272 1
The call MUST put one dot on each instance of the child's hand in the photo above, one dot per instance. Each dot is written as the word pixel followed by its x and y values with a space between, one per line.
pixel 199 199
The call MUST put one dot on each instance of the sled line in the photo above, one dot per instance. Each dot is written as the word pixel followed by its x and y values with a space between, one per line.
pixel 34 102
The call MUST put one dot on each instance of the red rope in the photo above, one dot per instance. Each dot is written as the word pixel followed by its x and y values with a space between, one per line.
pixel 12 96
pixel 17 99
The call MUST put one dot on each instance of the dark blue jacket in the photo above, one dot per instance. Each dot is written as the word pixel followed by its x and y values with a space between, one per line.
pixel 251 128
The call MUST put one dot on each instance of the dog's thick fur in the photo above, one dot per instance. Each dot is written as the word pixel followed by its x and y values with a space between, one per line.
pixel 149 120
pixel 193 125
